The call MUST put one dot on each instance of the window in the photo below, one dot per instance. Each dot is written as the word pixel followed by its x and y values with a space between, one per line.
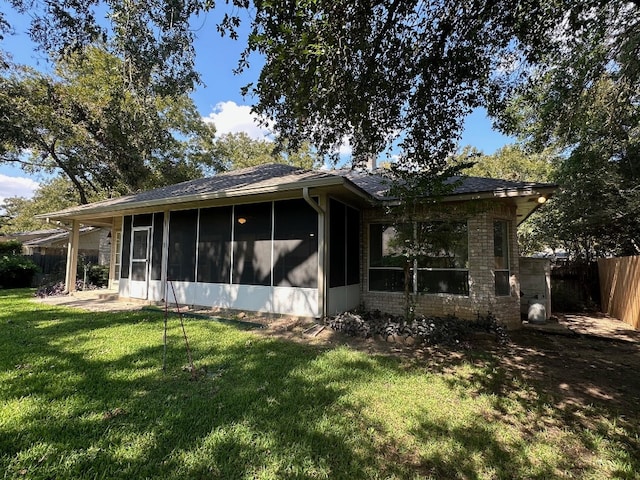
pixel 443 258
pixel 295 244
pixel 252 244
pixel 501 257
pixel 439 251
pixel 386 259
pixel 182 245
pixel 214 245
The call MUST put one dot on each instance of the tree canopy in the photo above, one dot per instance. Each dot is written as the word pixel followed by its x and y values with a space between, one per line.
pixel 238 150
pixel 104 138
pixel 588 110
pixel 403 71
pixel 563 75
pixel 19 213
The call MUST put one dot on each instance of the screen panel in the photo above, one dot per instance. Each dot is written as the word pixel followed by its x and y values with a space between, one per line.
pixel 182 245
pixel 353 246
pixel 156 246
pixel 337 244
pixel 143 220
pixel 126 247
pixel 295 247
pixel 252 244
pixel 214 245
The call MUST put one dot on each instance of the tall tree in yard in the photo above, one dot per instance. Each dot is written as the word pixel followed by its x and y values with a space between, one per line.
pixel 238 150
pixel 54 194
pixel 105 139
pixel 597 129
pixel 388 72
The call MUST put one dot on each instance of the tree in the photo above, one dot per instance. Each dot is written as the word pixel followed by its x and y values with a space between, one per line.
pixel 238 150
pixel 55 194
pixel 104 139
pixel 375 73
pixel 597 129
pixel 511 162
pixel 517 163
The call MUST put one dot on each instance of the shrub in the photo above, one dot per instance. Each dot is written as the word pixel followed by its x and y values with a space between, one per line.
pixel 16 271
pixel 98 275
pixel 10 247
pixel 51 290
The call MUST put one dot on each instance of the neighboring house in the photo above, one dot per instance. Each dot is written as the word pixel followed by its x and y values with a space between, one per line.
pixel 278 239
pixel 92 242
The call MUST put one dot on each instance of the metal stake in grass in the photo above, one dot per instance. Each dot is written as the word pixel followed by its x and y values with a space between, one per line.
pixel 164 335
pixel 194 374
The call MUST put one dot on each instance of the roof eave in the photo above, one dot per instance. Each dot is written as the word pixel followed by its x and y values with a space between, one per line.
pixel 545 191
pixel 93 212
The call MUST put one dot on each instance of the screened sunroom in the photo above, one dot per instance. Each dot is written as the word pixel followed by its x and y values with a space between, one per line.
pixel 281 240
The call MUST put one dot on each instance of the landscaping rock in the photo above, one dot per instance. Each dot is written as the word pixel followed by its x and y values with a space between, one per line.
pixel 429 330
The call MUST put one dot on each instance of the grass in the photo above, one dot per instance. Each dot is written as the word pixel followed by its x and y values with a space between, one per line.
pixel 83 395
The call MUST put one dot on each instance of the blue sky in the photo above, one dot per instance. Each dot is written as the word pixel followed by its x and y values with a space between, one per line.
pixel 218 99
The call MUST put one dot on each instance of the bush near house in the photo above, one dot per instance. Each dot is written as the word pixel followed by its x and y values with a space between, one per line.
pixel 10 247
pixel 421 330
pixel 98 275
pixel 16 271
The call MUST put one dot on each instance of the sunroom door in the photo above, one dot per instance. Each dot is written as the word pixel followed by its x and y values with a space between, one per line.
pixel 140 248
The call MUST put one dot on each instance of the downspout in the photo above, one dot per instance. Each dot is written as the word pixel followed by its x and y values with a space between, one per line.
pixel 322 281
pixel 309 200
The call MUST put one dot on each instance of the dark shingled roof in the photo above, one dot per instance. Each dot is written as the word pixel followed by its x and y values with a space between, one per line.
pixel 58 234
pixel 377 185
pixel 261 178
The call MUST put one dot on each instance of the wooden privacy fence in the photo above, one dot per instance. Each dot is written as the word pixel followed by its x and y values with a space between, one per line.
pixel 620 288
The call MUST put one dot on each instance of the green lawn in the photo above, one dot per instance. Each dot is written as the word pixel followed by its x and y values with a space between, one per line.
pixel 83 395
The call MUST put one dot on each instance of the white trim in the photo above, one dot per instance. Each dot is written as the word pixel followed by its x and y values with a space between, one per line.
pixel 232 232
pixel 273 228
pixel 195 275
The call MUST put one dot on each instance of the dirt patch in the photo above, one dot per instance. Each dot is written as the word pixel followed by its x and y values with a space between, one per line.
pixel 577 360
pixel 596 360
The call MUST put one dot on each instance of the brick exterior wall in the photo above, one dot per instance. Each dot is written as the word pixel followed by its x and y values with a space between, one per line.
pixel 482 297
pixel 104 247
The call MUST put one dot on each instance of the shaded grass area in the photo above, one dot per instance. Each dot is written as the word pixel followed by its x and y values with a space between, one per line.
pixel 83 395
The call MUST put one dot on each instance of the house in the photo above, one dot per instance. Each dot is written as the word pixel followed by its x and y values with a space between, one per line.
pixel 282 240
pixel 93 242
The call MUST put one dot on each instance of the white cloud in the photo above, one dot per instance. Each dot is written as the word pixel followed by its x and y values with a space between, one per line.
pixel 229 117
pixel 16 187
pixel 345 147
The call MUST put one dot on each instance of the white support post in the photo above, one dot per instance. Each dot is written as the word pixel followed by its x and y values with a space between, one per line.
pixel 165 255
pixel 72 257
pixel 323 266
